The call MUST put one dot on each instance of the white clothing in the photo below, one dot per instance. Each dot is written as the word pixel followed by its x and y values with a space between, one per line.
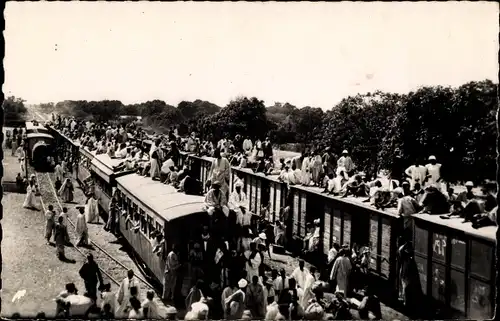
pixel 236 202
pixel 152 309
pixel 81 227
pixel 300 276
pixel 92 210
pixel 165 168
pixel 253 270
pixel 136 314
pixel 308 294
pixel 417 174
pixel 123 296
pixel 332 253
pixel 435 173
pixel 30 200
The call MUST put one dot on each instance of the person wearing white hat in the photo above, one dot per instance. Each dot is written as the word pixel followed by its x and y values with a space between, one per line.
pixel 345 164
pixel 238 202
pixel 433 172
pixel 220 171
pixel 235 303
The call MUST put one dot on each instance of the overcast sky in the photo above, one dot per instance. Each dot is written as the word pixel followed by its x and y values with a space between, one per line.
pixel 305 53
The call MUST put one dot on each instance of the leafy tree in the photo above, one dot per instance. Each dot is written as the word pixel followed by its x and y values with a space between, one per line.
pixel 14 109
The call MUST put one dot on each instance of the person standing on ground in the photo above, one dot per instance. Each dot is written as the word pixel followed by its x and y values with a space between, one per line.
pixel 29 201
pixel 172 266
pixel 92 210
pixel 81 228
pixel 91 275
pixel 66 191
pixel 125 293
pixel 50 223
pixel 341 272
pixel 61 237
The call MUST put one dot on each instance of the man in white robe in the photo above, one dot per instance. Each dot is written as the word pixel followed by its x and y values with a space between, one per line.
pixel 341 272
pixel 58 171
pixel 215 200
pixel 238 202
pixel 308 284
pixel 345 164
pixel 300 273
pixel 92 210
pixel 247 146
pixel 220 171
pixel 433 172
pixel 123 295
pixel 81 228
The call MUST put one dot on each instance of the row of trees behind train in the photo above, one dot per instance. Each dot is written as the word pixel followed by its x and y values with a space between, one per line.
pixel 457 125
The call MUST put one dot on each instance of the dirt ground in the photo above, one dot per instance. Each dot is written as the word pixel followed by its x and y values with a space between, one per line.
pixel 32 275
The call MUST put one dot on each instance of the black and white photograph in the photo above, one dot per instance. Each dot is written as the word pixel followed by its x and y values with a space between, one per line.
pixel 250 160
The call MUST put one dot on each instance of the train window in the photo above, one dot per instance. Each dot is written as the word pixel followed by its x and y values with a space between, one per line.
pixel 135 210
pixel 422 272
pixel 151 226
pixel 481 259
pixel 144 222
pixel 438 282
pixel 421 240
pixel 439 247
pixel 458 249
pixel 457 291
pixel 479 300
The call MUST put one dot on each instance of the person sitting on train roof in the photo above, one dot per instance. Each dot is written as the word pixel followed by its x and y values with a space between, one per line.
pixel 417 192
pixel 166 168
pixel 238 202
pixel 434 201
pixel 355 186
pixel 173 177
pixel 215 200
pixel 287 176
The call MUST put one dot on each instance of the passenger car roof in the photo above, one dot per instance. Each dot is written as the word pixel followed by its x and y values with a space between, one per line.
pixel 162 199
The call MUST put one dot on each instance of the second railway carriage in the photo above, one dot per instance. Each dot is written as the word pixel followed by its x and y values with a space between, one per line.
pixel 103 172
pixel 156 207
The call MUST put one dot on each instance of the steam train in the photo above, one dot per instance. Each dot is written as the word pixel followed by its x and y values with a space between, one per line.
pixel 456 263
pixel 39 146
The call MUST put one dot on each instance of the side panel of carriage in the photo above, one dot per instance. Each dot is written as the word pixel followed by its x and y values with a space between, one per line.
pixel 141 240
pixel 84 165
pixel 456 267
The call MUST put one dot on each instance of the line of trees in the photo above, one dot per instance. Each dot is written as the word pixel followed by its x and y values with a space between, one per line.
pixel 457 125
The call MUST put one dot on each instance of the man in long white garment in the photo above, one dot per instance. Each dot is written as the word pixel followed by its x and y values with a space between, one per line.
pixel 434 173
pixel 81 228
pixel 92 210
pixel 238 202
pixel 220 171
pixel 123 295
pixel 300 273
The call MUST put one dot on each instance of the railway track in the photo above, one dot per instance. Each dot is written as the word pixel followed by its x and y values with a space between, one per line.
pixel 111 268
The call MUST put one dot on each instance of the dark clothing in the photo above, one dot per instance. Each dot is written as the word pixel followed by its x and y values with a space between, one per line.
pixel 91 275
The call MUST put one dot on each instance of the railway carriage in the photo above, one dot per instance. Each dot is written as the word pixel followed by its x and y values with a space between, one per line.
pixel 104 177
pixel 161 208
pixel 456 265
pixel 39 145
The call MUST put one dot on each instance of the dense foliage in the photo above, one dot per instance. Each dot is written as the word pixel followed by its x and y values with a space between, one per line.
pixel 14 109
pixel 457 125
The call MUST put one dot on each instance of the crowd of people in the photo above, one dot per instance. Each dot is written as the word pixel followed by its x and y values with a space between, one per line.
pixel 228 274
